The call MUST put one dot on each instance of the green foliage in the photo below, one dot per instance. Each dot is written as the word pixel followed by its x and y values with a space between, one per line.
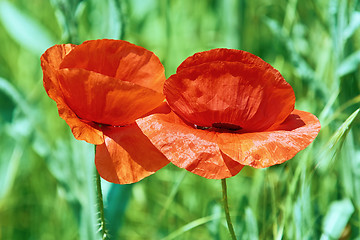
pixel 24 29
pixel 336 219
pixel 46 176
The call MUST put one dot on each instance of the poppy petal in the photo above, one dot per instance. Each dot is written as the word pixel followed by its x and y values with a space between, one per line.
pixel 106 100
pixel 118 59
pixel 81 130
pixel 50 62
pixel 264 149
pixel 127 156
pixel 250 96
pixel 186 147
pixel 223 55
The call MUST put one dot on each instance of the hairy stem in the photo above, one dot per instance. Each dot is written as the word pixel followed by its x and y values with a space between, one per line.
pixel 100 205
pixel 226 208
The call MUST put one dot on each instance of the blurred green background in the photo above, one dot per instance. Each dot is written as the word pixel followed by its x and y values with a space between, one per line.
pixel 47 188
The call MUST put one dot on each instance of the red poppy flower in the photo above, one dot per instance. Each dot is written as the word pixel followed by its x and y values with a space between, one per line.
pixel 101 87
pixel 229 108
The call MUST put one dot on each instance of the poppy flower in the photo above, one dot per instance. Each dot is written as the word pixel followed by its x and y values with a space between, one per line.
pixel 101 87
pixel 228 108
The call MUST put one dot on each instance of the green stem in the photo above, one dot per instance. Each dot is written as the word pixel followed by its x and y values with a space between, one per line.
pixel 100 205
pixel 226 208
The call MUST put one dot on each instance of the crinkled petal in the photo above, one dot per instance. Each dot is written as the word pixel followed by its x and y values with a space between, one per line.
pixel 50 62
pixel 127 156
pixel 222 55
pixel 118 59
pixel 186 147
pixel 80 129
pixel 253 97
pixel 105 100
pixel 264 149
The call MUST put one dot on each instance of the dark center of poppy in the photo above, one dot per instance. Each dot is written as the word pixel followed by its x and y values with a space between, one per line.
pixel 221 126
pixel 226 126
pixel 200 127
pixel 100 125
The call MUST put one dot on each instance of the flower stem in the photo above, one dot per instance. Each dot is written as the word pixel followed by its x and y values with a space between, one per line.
pixel 226 208
pixel 100 205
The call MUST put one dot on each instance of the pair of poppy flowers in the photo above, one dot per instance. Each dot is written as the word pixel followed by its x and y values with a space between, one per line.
pixel 224 109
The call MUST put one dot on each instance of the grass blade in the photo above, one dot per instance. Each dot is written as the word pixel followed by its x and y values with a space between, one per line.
pixel 334 144
pixel 336 219
pixel 24 29
pixel 189 226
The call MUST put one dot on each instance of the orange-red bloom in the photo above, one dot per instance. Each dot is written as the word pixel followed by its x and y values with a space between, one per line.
pixel 101 87
pixel 229 108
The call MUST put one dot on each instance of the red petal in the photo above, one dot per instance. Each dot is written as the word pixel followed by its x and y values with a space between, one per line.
pixel 251 96
pixel 264 149
pixel 102 99
pixel 223 55
pixel 81 130
pixel 186 147
pixel 127 156
pixel 50 62
pixel 118 59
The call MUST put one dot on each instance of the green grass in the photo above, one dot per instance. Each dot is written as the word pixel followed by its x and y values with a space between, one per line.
pixel 46 176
